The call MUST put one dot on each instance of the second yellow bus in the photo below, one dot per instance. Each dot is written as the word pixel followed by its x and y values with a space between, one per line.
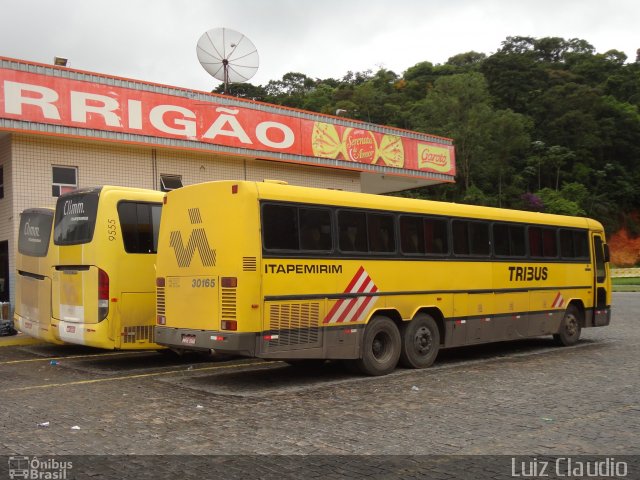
pixel 103 284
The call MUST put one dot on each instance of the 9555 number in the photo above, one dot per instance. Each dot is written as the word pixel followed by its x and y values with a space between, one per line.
pixel 203 283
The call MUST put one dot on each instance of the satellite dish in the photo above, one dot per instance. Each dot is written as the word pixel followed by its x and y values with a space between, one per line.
pixel 227 55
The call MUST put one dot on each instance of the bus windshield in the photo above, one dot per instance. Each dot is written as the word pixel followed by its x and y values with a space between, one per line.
pixel 75 218
pixel 34 234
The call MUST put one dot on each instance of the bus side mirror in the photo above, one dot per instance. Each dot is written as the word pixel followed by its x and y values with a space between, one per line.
pixel 607 253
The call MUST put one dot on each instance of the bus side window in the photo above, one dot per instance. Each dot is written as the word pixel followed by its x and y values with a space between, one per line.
pixel 139 233
pixel 435 235
pixel 471 238
pixel 574 244
pixel 549 242
pixel 381 229
pixel 280 227
pixel 581 244
pixel 411 235
pixel 479 238
pixel 543 242
pixel 460 237
pixel 353 231
pixel 315 229
pixel 508 240
pixel 517 245
pixel 535 242
pixel 156 213
pixel 501 244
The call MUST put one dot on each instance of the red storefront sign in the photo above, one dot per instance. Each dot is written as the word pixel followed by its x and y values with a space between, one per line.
pixel 52 100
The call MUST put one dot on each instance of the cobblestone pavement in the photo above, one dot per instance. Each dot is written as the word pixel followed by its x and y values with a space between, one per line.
pixel 520 398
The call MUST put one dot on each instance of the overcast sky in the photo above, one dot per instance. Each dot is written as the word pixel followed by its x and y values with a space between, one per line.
pixel 155 40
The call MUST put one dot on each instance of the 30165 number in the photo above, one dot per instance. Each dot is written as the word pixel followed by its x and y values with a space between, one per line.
pixel 203 283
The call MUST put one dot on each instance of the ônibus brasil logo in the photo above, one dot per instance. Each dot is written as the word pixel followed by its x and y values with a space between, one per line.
pixel 197 241
pixel 36 468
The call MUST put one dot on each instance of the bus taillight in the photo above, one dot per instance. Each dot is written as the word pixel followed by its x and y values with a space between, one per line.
pixel 160 282
pixel 229 325
pixel 103 294
pixel 229 282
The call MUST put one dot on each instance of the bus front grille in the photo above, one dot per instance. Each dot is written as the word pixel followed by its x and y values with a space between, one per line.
pixel 137 333
pixel 294 324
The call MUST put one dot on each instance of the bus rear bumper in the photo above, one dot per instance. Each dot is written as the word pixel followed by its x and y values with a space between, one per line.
pixel 40 330
pixel 223 342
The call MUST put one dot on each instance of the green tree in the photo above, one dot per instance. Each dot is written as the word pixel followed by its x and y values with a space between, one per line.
pixel 556 158
pixel 244 90
pixel 467 61
pixel 555 202
pixel 458 107
pixel 291 90
pixel 508 139
pixel 514 75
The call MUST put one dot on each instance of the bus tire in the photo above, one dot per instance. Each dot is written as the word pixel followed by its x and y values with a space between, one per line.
pixel 381 346
pixel 420 341
pixel 569 332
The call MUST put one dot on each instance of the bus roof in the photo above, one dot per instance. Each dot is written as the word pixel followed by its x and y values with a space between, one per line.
pixel 289 193
pixel 42 210
pixel 105 188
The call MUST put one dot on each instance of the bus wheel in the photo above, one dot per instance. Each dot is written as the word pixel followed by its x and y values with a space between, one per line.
pixel 569 332
pixel 380 347
pixel 420 341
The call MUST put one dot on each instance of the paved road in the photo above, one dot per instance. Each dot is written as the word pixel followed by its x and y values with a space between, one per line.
pixel 525 398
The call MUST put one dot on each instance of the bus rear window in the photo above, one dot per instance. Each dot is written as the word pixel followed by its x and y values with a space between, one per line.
pixel 34 234
pixel 75 218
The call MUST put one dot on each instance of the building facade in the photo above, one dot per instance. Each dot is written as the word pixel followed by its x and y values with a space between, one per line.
pixel 62 129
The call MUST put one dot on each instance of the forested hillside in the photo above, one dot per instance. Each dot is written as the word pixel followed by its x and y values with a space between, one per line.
pixel 543 124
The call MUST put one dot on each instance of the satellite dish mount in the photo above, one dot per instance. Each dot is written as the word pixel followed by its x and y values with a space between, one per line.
pixel 227 56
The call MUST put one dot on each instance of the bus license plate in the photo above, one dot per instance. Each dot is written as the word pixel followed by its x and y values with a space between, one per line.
pixel 189 339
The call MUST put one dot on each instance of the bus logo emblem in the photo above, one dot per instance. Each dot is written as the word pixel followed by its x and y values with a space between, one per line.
pixel 197 241
pixel 353 308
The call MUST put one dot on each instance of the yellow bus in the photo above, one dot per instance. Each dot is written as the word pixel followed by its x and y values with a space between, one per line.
pixel 103 284
pixel 283 272
pixel 34 262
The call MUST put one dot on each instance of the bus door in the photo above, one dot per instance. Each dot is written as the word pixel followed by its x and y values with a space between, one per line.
pixel 601 312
